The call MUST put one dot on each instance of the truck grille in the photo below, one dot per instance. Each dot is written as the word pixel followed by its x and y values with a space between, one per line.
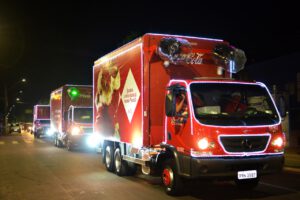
pixel 236 144
pixel 87 130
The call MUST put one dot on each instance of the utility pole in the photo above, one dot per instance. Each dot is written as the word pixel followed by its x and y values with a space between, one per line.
pixel 5 121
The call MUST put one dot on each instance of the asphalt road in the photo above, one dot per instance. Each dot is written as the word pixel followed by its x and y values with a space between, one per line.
pixel 33 169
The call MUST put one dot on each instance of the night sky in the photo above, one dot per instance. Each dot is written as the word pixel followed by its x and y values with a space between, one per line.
pixel 54 43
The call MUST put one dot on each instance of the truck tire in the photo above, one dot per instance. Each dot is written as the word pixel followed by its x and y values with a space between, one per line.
pixel 131 169
pixel 69 145
pixel 54 141
pixel 57 142
pixel 109 158
pixel 247 184
pixel 121 166
pixel 170 178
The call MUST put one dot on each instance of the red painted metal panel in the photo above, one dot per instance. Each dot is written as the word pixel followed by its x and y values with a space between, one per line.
pixel 41 112
pixel 118 94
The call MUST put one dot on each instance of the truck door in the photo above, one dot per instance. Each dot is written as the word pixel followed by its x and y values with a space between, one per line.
pixel 66 120
pixel 178 125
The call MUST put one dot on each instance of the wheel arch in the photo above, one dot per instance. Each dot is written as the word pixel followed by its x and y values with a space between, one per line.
pixel 170 152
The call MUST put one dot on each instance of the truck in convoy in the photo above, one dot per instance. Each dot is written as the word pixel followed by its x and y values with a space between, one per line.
pixel 71 116
pixel 169 104
pixel 41 120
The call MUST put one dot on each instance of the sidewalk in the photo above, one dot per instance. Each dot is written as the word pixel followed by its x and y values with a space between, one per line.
pixel 292 158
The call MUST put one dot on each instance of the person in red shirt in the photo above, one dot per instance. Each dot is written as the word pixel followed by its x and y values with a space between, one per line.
pixel 235 104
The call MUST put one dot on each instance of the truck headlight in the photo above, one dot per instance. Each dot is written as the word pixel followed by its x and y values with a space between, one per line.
pixel 94 140
pixel 75 130
pixel 50 132
pixel 278 142
pixel 203 144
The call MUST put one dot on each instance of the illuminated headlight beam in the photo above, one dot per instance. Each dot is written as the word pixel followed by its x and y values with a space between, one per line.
pixel 94 140
pixel 50 132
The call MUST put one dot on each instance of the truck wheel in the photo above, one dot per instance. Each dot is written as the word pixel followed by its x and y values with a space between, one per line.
pixel 69 145
pixel 247 183
pixel 57 142
pixel 170 178
pixel 121 166
pixel 109 158
pixel 131 169
pixel 54 141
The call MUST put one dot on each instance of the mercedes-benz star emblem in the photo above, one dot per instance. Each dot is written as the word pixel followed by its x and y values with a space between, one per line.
pixel 246 144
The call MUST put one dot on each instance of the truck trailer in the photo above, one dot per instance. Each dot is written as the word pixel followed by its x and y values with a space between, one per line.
pixel 41 120
pixel 170 105
pixel 71 116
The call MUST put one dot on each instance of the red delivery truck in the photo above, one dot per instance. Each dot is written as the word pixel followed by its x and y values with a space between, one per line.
pixel 41 120
pixel 169 104
pixel 71 116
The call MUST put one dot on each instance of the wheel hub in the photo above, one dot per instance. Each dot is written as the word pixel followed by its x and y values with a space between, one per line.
pixel 118 162
pixel 107 157
pixel 167 177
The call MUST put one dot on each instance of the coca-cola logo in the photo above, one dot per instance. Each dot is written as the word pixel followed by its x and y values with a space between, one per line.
pixel 190 58
pixel 178 51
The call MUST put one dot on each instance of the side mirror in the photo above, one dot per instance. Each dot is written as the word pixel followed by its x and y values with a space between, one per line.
pixel 281 105
pixel 170 108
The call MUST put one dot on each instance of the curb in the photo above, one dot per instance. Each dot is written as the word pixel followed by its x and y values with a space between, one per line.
pixel 291 169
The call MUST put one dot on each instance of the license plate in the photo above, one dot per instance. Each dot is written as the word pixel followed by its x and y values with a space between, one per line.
pixel 247 174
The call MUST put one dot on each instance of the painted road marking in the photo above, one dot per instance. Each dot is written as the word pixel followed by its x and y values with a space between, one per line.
pixel 2 142
pixel 15 142
pixel 28 141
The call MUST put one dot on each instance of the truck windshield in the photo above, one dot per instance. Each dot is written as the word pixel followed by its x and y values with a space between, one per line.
pixel 83 115
pixel 229 104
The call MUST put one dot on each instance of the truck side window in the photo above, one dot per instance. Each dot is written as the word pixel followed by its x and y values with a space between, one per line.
pixel 181 104
pixel 198 100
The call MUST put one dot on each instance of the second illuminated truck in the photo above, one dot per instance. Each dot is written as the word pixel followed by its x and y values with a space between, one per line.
pixel 41 120
pixel 170 105
pixel 71 116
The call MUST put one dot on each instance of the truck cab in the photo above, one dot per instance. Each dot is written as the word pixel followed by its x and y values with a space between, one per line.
pixel 235 124
pixel 41 121
pixel 41 127
pixel 79 127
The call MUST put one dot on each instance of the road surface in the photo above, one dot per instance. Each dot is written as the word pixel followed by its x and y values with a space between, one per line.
pixel 33 169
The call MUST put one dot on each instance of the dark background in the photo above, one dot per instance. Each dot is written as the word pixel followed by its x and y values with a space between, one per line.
pixel 53 43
